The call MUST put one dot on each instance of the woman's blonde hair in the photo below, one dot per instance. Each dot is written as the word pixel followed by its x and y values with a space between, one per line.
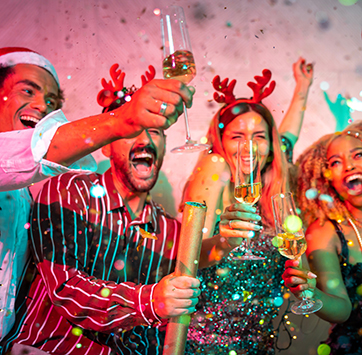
pixel 316 196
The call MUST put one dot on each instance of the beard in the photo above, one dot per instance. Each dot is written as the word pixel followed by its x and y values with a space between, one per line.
pixel 137 175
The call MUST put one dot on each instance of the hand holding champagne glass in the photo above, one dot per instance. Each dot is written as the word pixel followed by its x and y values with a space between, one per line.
pixel 178 61
pixel 291 242
pixel 247 187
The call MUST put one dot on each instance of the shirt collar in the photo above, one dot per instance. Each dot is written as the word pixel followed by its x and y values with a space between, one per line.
pixel 114 201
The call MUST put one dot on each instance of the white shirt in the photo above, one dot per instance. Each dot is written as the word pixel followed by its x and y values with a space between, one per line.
pixel 22 163
pixel 22 152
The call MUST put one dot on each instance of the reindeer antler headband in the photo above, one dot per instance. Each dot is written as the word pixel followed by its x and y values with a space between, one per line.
pixel 259 89
pixel 112 92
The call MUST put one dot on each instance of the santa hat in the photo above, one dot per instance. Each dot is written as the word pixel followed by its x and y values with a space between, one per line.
pixel 10 56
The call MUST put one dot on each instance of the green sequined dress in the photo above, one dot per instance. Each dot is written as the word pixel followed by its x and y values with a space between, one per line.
pixel 238 302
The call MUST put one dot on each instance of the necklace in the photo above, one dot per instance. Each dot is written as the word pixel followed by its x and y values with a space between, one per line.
pixel 356 231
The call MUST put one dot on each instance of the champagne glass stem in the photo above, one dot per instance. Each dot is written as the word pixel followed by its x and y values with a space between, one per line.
pixel 188 134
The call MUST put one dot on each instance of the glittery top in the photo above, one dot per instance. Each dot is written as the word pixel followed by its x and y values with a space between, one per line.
pixel 346 338
pixel 238 302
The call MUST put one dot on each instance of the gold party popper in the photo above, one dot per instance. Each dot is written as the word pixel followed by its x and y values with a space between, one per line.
pixel 187 262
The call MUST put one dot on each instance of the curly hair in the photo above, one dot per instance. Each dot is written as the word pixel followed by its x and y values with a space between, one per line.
pixel 316 196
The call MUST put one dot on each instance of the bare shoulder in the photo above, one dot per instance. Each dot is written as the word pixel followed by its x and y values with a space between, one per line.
pixel 211 173
pixel 321 236
pixel 214 163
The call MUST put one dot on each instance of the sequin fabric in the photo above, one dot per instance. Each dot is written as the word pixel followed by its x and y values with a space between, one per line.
pixel 237 304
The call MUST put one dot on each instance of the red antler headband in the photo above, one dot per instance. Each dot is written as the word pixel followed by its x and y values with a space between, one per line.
pixel 113 92
pixel 228 96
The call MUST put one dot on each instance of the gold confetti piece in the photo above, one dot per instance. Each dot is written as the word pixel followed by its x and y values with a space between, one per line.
pixel 144 235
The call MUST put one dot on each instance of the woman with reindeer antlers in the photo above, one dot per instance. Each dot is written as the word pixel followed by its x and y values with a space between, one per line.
pixel 240 298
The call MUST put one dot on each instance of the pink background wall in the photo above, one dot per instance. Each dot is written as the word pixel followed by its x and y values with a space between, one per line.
pixel 235 39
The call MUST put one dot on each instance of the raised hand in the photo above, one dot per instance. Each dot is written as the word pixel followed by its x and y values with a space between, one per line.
pixel 236 223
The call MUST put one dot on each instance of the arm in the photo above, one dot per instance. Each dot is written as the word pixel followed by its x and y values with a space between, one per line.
pixel 207 183
pixel 65 254
pixel 27 156
pixel 324 262
pixel 73 140
pixel 293 119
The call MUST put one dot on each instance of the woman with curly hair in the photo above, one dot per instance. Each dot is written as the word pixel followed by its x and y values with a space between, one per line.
pixel 330 197
pixel 240 299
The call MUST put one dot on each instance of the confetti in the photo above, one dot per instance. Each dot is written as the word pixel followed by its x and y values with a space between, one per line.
pixel 293 224
pixel 77 331
pixel 324 349
pixel 105 292
pixel 311 194
pixel 97 191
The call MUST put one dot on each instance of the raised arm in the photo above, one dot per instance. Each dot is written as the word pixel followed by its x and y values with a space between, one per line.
pixel 81 137
pixel 324 263
pixel 293 119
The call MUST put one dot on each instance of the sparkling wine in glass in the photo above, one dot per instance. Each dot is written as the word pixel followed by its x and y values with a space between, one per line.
pixel 178 62
pixel 291 242
pixel 247 188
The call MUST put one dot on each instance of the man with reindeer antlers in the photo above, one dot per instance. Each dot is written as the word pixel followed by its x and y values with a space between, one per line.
pixel 37 142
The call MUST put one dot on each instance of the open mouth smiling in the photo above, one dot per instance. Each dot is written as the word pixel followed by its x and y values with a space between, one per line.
pixel 354 183
pixel 29 121
pixel 143 161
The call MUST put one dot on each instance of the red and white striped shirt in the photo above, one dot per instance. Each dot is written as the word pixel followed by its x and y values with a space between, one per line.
pixel 94 290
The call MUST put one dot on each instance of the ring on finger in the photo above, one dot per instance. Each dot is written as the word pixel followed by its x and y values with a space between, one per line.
pixel 230 226
pixel 163 108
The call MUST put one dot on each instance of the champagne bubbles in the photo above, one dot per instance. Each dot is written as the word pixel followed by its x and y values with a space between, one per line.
pixel 311 194
pixel 324 349
pixel 293 224
pixel 97 191
pixel 214 159
pixel 215 177
pixel 236 110
pixel 221 125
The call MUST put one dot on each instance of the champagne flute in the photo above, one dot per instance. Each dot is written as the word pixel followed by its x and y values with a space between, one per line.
pixel 178 62
pixel 291 242
pixel 247 187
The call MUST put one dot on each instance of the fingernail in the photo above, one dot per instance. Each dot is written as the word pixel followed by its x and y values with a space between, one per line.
pixel 258 217
pixel 258 227
pixel 251 208
pixel 311 275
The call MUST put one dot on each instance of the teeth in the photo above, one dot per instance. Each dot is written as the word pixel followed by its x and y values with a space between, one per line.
pixel 29 118
pixel 143 155
pixel 353 177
